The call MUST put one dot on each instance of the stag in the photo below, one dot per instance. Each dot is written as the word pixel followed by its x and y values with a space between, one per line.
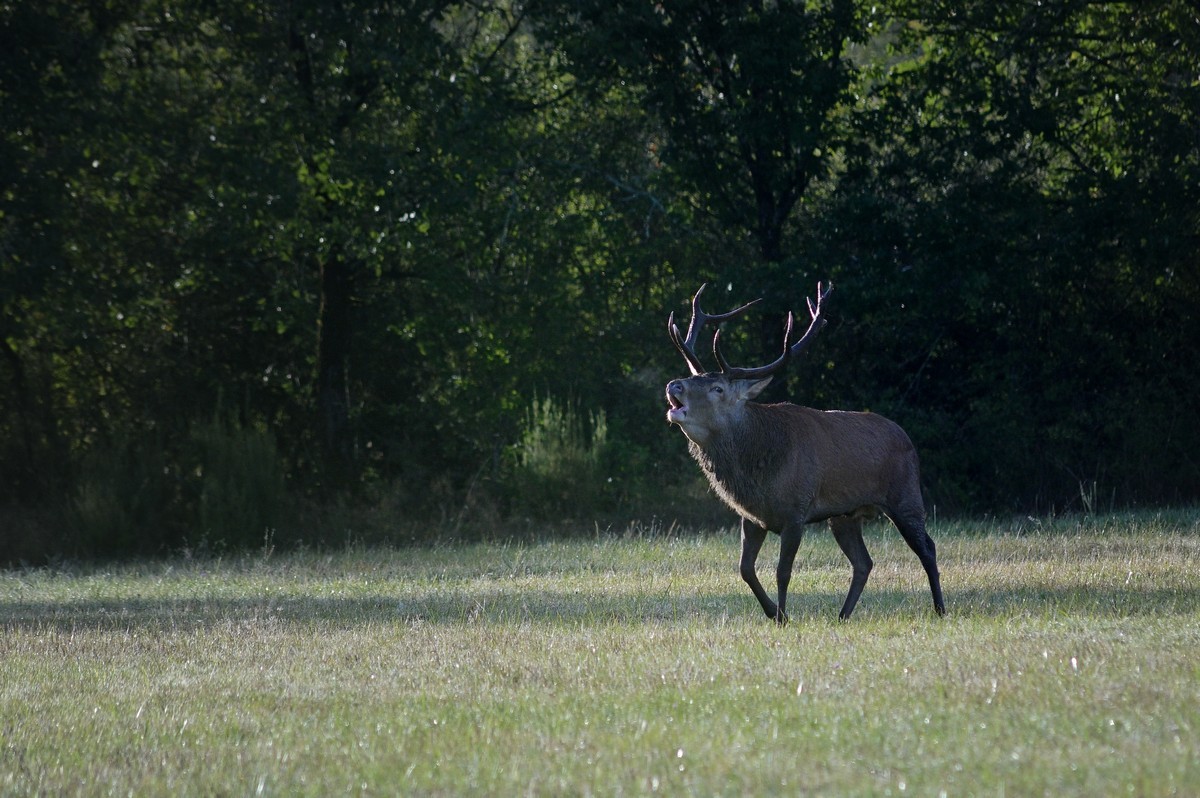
pixel 782 466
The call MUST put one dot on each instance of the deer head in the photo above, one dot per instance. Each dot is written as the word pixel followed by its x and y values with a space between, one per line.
pixel 709 403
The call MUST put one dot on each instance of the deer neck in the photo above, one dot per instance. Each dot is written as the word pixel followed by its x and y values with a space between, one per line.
pixel 739 460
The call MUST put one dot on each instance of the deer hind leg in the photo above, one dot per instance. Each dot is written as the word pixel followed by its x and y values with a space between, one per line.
pixel 753 536
pixel 912 528
pixel 847 531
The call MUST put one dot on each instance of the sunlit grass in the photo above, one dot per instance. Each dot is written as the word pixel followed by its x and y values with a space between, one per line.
pixel 621 664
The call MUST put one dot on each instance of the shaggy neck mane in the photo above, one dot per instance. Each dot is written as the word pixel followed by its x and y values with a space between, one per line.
pixel 740 462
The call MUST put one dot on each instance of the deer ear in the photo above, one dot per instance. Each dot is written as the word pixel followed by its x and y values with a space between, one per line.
pixel 757 388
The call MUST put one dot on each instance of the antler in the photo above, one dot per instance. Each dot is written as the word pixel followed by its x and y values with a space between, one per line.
pixel 759 372
pixel 687 346
pixel 790 350
pixel 818 322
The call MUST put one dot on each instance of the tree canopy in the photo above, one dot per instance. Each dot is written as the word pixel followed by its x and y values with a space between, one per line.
pixel 374 243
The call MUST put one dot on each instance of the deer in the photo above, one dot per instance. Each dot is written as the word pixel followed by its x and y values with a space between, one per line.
pixel 781 467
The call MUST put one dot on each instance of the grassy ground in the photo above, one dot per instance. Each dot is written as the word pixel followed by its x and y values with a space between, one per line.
pixel 1067 665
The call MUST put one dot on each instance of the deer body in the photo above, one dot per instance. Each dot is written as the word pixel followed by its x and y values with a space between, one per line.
pixel 782 466
pixel 782 461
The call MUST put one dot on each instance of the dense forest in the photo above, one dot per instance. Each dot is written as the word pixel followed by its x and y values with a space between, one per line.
pixel 309 271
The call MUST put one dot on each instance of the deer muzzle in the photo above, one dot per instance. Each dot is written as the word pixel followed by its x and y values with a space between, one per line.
pixel 676 404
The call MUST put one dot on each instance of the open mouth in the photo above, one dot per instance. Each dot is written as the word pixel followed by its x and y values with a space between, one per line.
pixel 675 408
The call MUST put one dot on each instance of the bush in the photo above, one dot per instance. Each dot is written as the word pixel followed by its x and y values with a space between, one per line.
pixel 224 486
pixel 240 485
pixel 557 468
pixel 125 500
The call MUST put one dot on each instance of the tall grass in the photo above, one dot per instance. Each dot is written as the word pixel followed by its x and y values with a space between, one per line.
pixel 241 491
pixel 558 463
pixel 617 665
pixel 224 487
pixel 125 490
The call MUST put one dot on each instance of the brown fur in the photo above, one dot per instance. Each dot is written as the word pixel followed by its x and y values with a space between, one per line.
pixel 782 466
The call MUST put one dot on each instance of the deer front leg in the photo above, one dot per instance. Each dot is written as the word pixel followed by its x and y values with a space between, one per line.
pixel 789 544
pixel 753 536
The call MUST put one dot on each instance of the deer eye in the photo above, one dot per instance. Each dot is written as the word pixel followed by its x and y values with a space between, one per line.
pixel 718 389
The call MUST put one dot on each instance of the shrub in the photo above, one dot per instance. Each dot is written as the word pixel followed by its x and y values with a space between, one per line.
pixel 240 488
pixel 223 487
pixel 557 465
pixel 125 500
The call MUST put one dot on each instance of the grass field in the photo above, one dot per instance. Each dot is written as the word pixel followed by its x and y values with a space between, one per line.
pixel 1068 664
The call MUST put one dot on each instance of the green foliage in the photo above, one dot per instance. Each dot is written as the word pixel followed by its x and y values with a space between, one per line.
pixel 383 226
pixel 1014 275
pixel 749 98
pixel 223 488
pixel 241 495
pixel 558 465
pixel 126 500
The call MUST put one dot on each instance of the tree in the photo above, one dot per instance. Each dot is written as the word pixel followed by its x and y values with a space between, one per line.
pixel 1023 194
pixel 50 67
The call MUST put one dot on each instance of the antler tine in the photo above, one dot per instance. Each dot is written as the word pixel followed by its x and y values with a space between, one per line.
pixel 818 321
pixel 697 313
pixel 722 363
pixel 700 319
pixel 693 362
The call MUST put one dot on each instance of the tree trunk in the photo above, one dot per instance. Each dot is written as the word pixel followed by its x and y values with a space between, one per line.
pixel 333 355
pixel 28 469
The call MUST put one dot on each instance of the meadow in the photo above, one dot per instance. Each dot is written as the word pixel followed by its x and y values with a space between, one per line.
pixel 628 662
